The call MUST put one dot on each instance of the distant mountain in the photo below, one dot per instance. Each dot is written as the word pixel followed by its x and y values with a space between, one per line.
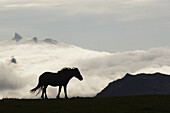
pixel 140 84
pixel 18 39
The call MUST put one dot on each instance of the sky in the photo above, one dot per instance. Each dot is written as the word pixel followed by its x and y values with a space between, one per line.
pixel 106 40
pixel 112 25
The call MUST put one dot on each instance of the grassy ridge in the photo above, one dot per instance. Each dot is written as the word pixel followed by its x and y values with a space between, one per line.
pixel 129 104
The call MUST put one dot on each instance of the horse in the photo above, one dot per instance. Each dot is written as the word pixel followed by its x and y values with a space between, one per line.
pixel 61 78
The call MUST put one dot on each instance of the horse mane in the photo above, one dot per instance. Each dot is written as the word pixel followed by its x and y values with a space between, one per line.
pixel 65 69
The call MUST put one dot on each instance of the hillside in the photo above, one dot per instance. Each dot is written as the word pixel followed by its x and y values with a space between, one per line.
pixel 140 84
pixel 130 104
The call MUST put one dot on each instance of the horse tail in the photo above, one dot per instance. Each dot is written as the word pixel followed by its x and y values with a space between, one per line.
pixel 39 87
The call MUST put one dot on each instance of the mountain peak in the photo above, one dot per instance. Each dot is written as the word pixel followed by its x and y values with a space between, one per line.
pixel 20 40
pixel 128 75
pixel 17 37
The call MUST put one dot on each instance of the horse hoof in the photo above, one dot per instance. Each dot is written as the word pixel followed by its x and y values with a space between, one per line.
pixel 46 97
pixel 57 97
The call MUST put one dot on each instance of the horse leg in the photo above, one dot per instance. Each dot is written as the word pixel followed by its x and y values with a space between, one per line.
pixel 42 96
pixel 58 96
pixel 65 91
pixel 45 91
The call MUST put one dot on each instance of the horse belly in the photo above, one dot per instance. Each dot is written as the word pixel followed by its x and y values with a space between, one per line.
pixel 55 83
pixel 52 84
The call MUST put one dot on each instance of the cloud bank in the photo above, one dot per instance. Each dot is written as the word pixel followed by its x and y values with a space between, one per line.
pixel 97 68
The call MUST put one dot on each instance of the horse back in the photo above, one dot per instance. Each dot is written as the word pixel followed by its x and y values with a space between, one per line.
pixel 53 79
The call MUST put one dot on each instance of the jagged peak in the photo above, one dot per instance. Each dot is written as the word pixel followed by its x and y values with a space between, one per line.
pixel 17 37
pixel 127 74
pixel 20 40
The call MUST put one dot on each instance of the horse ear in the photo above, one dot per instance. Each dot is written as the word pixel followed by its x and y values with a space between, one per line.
pixel 75 68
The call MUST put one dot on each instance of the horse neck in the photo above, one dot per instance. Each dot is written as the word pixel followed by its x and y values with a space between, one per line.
pixel 67 75
pixel 70 75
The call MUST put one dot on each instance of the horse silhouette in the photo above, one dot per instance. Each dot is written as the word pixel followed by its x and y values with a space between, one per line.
pixel 61 78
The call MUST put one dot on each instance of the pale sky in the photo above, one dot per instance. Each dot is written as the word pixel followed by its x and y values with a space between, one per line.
pixel 103 25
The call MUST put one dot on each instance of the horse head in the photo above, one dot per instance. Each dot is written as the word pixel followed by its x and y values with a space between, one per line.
pixel 77 74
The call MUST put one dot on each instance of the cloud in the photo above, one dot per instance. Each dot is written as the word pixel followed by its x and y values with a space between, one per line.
pixel 10 82
pixel 8 78
pixel 103 69
pixel 32 61
pixel 75 7
pixel 29 5
pixel 97 68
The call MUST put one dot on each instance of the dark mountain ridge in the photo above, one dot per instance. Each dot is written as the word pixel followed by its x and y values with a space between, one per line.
pixel 140 84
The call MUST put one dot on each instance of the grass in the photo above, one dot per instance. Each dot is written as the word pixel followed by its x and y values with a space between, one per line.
pixel 128 104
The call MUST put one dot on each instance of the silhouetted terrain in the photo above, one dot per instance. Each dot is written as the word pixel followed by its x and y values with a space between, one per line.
pixel 129 104
pixel 140 84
